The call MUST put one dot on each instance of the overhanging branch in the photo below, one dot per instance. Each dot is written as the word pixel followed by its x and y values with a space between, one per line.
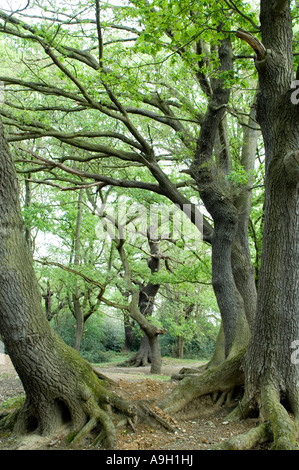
pixel 253 42
pixel 87 279
pixel 101 178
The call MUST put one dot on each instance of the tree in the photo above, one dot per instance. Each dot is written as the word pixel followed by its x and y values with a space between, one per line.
pixel 61 388
pixel 138 135
pixel 271 378
pixel 141 305
pixel 204 148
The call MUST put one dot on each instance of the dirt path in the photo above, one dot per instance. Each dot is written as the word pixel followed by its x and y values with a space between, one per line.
pixel 197 428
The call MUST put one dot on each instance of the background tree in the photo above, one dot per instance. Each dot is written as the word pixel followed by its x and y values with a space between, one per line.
pixel 270 376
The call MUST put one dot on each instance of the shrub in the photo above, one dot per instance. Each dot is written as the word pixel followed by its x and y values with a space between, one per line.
pixel 99 337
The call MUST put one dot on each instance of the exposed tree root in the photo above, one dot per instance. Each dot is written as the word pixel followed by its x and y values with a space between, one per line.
pixel 142 358
pixel 221 379
pixel 276 425
pixel 248 440
pixel 93 413
pixel 139 359
pixel 104 412
pixel 283 427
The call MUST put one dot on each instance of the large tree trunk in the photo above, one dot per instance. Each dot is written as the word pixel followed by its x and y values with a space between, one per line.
pixel 61 388
pixel 270 375
pixel 218 199
pixel 28 231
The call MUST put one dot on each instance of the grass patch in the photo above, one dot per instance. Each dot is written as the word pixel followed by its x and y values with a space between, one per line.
pixel 116 358
pixel 174 361
pixel 12 403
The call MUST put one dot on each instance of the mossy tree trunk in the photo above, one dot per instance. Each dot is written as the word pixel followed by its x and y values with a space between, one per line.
pixel 270 374
pixel 271 377
pixel 61 388
pixel 232 272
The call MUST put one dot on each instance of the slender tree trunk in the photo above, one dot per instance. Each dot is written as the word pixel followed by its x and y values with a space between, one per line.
pixel 178 349
pixel 242 267
pixel 48 298
pixel 78 312
pixel 128 344
pixel 149 349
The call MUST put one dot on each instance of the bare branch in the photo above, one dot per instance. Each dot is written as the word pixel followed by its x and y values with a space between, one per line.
pixel 253 42
pixel 99 29
pixel 104 179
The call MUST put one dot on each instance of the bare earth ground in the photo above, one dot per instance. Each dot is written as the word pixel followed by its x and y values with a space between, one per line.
pixel 198 427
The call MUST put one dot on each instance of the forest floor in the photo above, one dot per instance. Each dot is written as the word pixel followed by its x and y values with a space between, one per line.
pixel 197 428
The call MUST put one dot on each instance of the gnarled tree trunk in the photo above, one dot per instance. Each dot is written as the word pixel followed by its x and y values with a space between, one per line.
pixel 270 373
pixel 271 377
pixel 63 392
pixel 218 199
pixel 149 349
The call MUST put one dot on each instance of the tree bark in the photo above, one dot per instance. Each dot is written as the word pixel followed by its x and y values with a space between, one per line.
pixel 270 374
pixel 149 349
pixel 271 377
pixel 216 194
pixel 61 388
pixel 28 230
pixel 77 310
pixel 128 344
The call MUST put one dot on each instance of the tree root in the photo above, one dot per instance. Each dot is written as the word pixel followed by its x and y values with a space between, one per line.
pixel 166 421
pixel 283 427
pixel 138 360
pixel 109 422
pixel 187 371
pixel 280 430
pixel 222 398
pixel 104 413
pixel 8 420
pixel 107 434
pixel 223 378
pixel 248 440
